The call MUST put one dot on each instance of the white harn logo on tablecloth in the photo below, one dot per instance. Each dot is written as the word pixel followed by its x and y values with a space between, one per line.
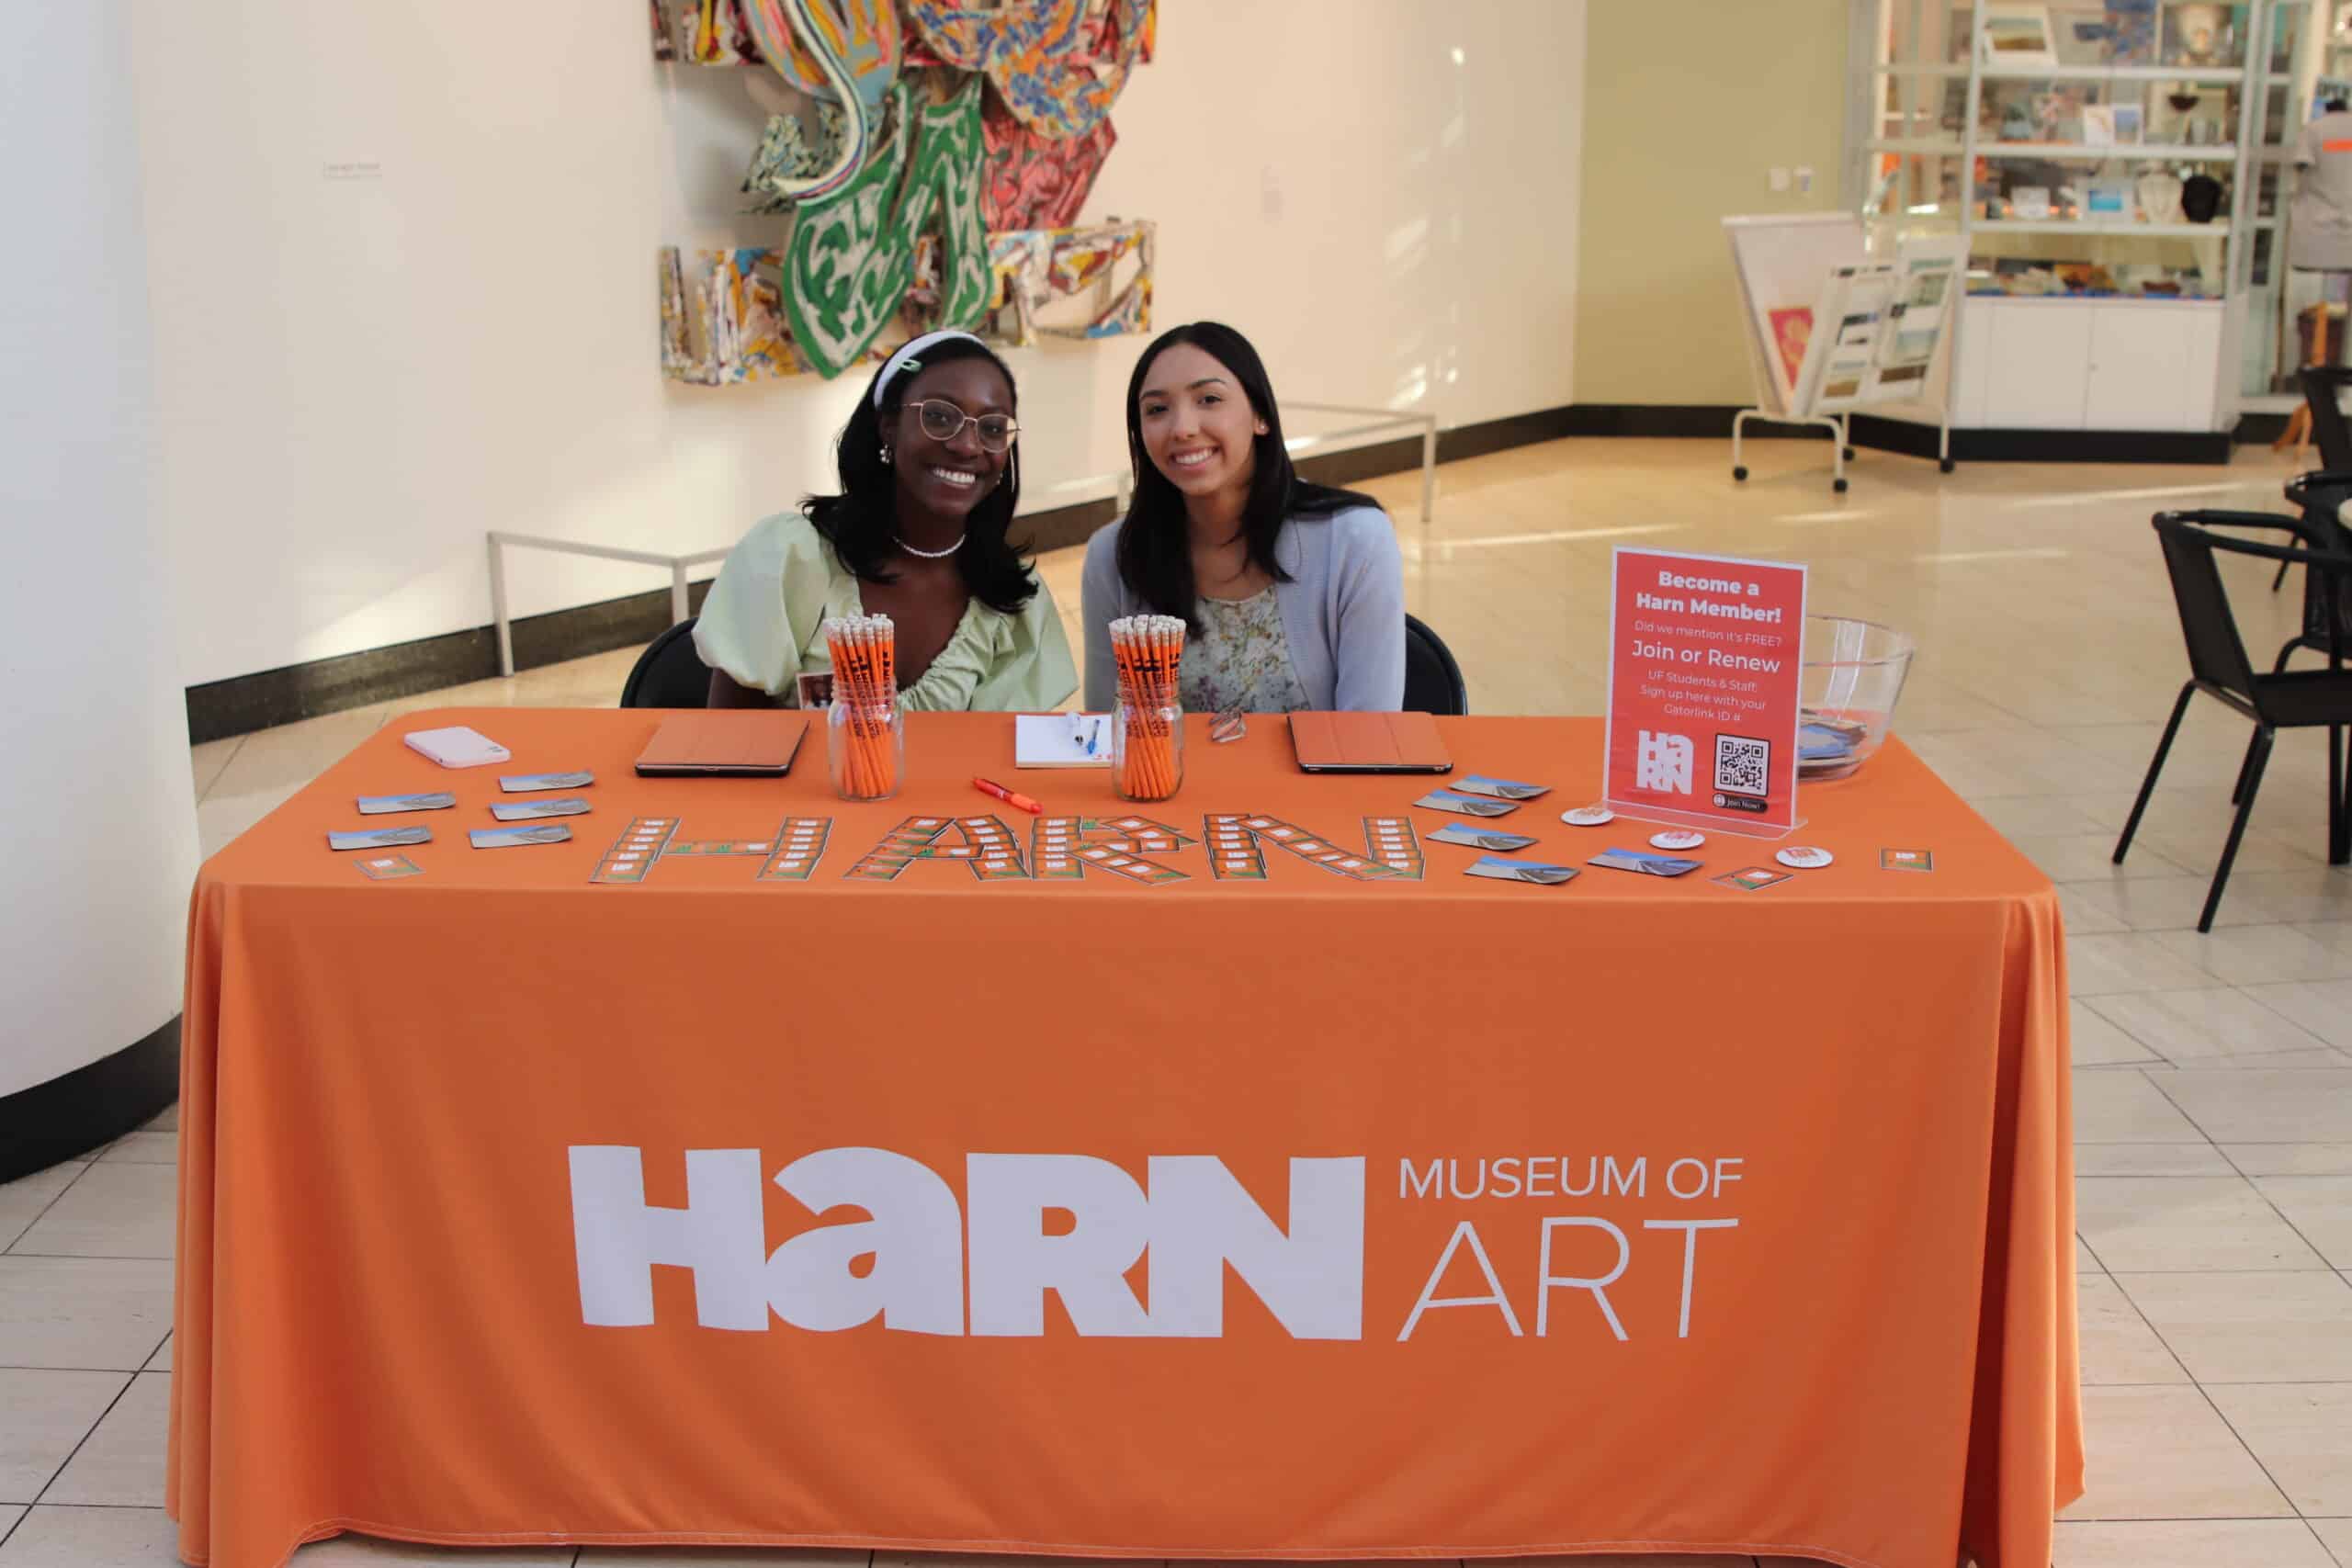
pixel 1195 1221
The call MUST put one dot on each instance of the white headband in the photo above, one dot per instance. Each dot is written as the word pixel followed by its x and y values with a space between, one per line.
pixel 905 358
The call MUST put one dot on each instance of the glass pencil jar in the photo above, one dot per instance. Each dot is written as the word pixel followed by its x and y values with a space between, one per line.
pixel 1146 750
pixel 865 745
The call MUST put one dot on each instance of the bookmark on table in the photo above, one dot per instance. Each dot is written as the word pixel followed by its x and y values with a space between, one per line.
pixel 378 805
pixel 1501 789
pixel 1638 860
pixel 379 838
pixel 1754 878
pixel 522 783
pixel 507 838
pixel 1466 805
pixel 530 810
pixel 1493 839
pixel 1504 870
pixel 384 868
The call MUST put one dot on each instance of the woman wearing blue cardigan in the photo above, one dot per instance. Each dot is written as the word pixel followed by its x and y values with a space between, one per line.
pixel 1293 594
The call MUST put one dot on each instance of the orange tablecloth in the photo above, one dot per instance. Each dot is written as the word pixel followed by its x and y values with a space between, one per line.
pixel 1153 1182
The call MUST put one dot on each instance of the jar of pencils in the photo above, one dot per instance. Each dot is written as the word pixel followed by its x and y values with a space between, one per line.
pixel 1148 722
pixel 865 736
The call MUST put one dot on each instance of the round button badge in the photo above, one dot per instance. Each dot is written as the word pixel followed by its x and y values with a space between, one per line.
pixel 1804 857
pixel 1589 816
pixel 1677 839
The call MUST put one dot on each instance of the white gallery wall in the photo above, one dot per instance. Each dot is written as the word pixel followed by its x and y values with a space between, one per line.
pixel 404 287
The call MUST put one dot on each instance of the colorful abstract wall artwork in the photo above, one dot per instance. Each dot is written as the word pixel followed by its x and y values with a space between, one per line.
pixel 933 175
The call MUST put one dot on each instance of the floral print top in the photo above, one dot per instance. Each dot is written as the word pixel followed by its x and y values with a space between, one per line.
pixel 1240 661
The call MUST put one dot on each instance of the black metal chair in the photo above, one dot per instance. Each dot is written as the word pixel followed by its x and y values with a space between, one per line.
pixel 669 674
pixel 2319 498
pixel 1433 681
pixel 2218 665
pixel 2317 495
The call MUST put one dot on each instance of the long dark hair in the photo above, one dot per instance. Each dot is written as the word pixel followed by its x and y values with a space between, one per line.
pixel 1154 552
pixel 861 523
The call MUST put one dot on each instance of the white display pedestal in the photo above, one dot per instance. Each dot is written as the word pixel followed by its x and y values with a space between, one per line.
pixel 102 822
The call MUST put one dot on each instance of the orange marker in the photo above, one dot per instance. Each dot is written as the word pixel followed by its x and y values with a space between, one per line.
pixel 1020 801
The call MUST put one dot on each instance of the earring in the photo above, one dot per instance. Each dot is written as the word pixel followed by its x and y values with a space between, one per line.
pixel 1262 427
pixel 885 454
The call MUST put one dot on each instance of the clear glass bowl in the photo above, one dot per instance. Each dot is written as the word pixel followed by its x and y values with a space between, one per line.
pixel 1853 673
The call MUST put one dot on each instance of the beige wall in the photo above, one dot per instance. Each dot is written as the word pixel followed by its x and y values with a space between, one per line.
pixel 1688 103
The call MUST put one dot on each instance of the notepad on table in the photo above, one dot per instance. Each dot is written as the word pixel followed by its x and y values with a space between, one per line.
pixel 726 743
pixel 1061 740
pixel 1368 743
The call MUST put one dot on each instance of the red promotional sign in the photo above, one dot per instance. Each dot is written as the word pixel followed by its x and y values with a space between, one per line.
pixel 1705 660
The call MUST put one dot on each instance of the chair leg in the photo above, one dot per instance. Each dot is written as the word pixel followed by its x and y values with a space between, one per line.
pixel 2279 581
pixel 2237 790
pixel 2257 759
pixel 2156 766
pixel 2339 830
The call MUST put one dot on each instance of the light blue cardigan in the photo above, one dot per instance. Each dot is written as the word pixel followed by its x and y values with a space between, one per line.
pixel 1344 610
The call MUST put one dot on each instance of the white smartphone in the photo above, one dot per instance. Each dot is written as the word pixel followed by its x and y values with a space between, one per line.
pixel 458 746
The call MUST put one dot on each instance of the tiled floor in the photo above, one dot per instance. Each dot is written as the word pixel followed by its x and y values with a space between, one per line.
pixel 2213 1090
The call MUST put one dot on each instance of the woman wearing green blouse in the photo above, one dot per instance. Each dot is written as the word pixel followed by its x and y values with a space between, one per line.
pixel 930 477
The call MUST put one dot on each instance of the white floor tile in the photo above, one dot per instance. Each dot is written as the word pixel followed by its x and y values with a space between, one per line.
pixel 2200 1224
pixel 2229 1329
pixel 2337 1536
pixel 2135 961
pixel 2151 1159
pixel 2188 1543
pixel 97 1313
pixel 2117 1345
pixel 2323 1007
pixel 122 1464
pixel 2124 1106
pixel 2318 1206
pixel 2302 1433
pixel 143 1148
pixel 2096 1043
pixel 112 1211
pixel 42 1415
pixel 162 1359
pixel 2181 1025
pixel 92 1538
pixel 2265 1107
pixel 22 1200
pixel 2291 1159
pixel 2161 1453
pixel 2258 956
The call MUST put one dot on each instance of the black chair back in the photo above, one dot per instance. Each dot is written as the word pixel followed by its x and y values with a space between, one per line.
pixel 2216 653
pixel 669 674
pixel 1433 679
pixel 2330 432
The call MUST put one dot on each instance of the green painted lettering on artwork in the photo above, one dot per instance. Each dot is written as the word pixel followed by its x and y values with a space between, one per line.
pixel 852 254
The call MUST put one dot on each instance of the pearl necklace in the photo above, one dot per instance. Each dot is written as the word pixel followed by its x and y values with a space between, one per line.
pixel 933 555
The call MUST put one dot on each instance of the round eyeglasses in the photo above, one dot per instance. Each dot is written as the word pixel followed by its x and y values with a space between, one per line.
pixel 943 421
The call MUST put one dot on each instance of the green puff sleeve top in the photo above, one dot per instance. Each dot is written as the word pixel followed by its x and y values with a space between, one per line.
pixel 763 625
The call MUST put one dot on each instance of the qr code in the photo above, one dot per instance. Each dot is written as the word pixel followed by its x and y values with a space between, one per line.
pixel 1742 766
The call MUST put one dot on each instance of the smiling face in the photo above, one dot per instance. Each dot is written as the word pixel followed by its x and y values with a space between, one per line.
pixel 949 477
pixel 1198 427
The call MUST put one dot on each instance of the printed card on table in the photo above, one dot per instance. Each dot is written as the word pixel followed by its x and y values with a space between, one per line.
pixel 1503 869
pixel 1501 789
pixel 1466 805
pixel 1644 861
pixel 379 838
pixel 1705 671
pixel 1490 838
pixel 379 804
